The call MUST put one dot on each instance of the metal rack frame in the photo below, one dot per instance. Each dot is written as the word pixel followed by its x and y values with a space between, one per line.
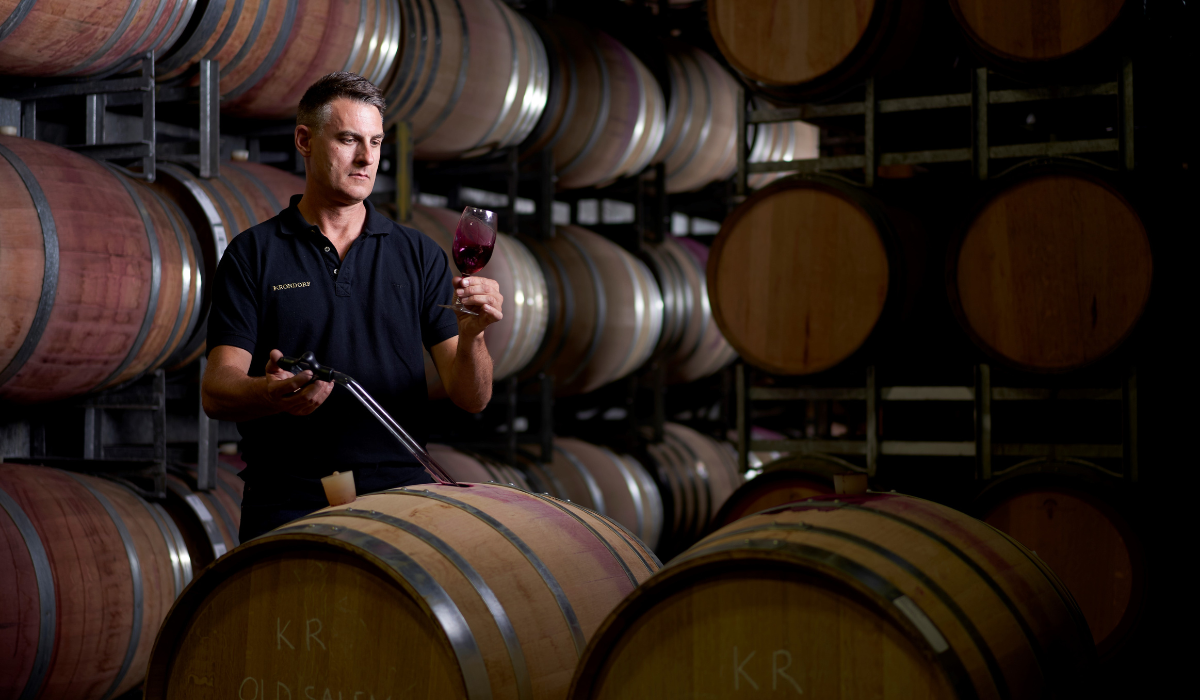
pixel 979 153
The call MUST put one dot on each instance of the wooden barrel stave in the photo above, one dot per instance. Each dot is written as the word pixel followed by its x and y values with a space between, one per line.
pixel 206 520
pixel 622 487
pixel 782 481
pixel 105 558
pixel 471 77
pixel 1037 36
pixel 123 296
pixel 700 142
pixel 959 609
pixel 1053 270
pixel 49 38
pixel 520 582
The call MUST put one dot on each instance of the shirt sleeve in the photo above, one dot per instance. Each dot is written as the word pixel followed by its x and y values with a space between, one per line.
pixel 233 318
pixel 437 324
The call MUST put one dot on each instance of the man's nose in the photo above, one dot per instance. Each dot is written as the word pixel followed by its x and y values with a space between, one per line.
pixel 365 155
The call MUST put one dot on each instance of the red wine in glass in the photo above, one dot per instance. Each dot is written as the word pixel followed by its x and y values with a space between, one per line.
pixel 474 240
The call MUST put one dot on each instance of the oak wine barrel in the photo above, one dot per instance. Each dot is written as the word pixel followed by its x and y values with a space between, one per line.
pixel 513 340
pixel 858 596
pixel 695 475
pixel 98 280
pixel 595 477
pixel 834 248
pixel 471 76
pixel 216 210
pixel 1031 35
pixel 1053 271
pixel 699 143
pixel 1079 526
pixel 90 571
pixel 468 467
pixel 207 520
pixel 786 480
pixel 609 314
pixel 271 51
pixel 811 48
pixel 72 38
pixel 490 590
pixel 607 119
pixel 691 344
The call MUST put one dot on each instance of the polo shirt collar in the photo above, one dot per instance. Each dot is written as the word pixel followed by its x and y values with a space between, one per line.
pixel 292 222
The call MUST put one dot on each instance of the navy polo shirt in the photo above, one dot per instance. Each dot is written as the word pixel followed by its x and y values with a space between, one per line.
pixel 280 285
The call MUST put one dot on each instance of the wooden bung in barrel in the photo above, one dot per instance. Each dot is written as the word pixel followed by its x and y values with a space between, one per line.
pixel 98 282
pixel 859 596
pixel 90 571
pixel 430 591
pixel 1052 271
pixel 1082 527
pixel 803 272
pixel 806 48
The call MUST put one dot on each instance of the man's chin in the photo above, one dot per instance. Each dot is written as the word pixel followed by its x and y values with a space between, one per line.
pixel 356 190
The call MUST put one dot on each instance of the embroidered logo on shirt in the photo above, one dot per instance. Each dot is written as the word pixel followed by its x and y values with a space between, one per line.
pixel 293 285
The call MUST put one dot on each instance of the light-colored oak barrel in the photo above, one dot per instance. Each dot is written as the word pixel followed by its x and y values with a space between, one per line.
pixel 90 571
pixel 807 48
pixel 1079 528
pixel 89 38
pixel 472 468
pixel 781 141
pixel 596 477
pixel 782 481
pixel 691 344
pixel 513 340
pixel 271 51
pixel 216 210
pixel 828 244
pixel 607 119
pixel 1031 32
pixel 207 520
pixel 97 274
pixel 1053 271
pixel 612 312
pixel 852 597
pixel 699 145
pixel 695 475
pixel 488 590
pixel 471 76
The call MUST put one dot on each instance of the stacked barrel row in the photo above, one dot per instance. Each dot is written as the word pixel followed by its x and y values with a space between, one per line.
pixel 107 277
pixel 91 570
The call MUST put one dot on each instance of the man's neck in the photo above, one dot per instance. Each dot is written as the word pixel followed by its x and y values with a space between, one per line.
pixel 340 223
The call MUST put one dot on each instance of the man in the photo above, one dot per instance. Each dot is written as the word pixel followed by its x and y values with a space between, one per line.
pixel 332 275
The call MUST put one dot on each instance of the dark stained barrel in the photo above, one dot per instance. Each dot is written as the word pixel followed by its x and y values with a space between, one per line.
pixel 271 51
pixel 99 281
pixel 1053 270
pixel 888 595
pixel 73 38
pixel 90 571
pixel 1083 528
pixel 471 76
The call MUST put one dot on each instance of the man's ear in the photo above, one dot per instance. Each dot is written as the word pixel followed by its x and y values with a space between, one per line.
pixel 304 136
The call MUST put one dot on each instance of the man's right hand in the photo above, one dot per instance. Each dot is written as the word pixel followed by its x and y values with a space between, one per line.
pixel 228 393
pixel 296 394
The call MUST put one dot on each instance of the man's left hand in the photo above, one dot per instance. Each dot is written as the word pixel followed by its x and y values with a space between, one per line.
pixel 483 296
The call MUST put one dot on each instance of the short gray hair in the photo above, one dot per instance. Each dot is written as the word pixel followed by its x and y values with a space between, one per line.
pixel 315 105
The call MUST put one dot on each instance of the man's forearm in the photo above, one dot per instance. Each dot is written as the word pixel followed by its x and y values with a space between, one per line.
pixel 471 385
pixel 228 394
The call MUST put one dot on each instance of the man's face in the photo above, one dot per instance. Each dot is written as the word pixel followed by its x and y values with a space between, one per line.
pixel 344 154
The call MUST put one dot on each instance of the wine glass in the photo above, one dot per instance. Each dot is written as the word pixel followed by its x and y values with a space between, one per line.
pixel 474 240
